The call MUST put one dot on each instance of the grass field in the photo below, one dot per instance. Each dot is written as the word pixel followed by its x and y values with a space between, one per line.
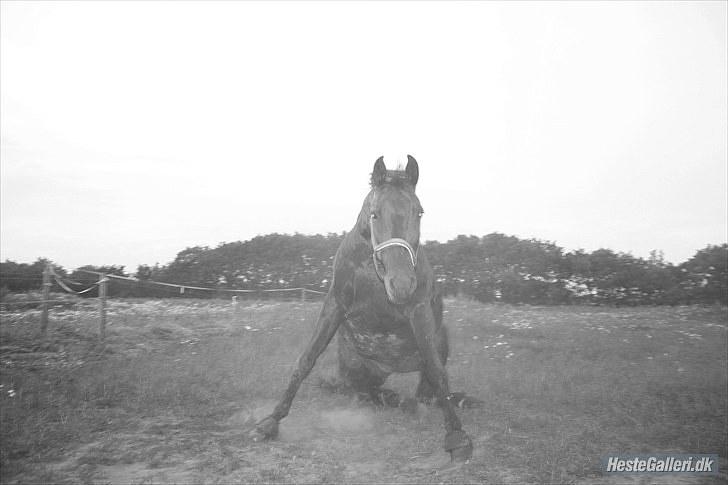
pixel 175 390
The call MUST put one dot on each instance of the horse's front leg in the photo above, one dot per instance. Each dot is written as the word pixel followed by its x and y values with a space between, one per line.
pixel 457 442
pixel 326 326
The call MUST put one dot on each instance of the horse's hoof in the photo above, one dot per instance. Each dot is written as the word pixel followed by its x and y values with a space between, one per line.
pixel 459 445
pixel 265 429
pixel 462 454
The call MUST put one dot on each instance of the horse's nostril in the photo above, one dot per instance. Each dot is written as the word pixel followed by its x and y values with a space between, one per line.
pixel 402 286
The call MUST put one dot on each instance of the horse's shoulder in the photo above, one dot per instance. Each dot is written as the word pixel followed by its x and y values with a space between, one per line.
pixel 349 260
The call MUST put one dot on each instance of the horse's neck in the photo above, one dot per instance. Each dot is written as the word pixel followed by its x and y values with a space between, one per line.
pixel 357 244
pixel 362 228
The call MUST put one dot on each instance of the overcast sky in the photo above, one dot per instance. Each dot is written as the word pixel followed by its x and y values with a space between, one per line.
pixel 132 130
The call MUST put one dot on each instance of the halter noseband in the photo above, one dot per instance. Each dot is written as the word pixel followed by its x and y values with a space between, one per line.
pixel 395 241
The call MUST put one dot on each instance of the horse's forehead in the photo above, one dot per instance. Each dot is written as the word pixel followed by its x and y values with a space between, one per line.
pixel 394 195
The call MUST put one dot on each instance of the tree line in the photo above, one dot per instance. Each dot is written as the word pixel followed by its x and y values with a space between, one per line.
pixel 491 268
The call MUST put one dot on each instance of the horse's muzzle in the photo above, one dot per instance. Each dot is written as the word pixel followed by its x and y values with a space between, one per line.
pixel 400 287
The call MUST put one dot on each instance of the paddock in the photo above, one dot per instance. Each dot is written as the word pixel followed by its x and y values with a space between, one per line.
pixel 176 386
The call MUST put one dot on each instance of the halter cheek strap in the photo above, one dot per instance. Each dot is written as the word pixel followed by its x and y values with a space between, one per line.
pixel 395 241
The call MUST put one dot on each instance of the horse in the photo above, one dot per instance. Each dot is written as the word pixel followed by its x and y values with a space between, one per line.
pixel 384 304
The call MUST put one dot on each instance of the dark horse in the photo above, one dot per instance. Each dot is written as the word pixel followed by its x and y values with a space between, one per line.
pixel 385 307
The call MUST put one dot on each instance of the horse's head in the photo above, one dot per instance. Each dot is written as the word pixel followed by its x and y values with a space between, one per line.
pixel 394 213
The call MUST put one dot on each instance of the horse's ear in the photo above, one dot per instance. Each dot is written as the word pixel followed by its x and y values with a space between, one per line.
pixel 379 172
pixel 412 170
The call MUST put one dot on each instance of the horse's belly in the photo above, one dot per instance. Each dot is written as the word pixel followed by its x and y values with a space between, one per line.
pixel 390 349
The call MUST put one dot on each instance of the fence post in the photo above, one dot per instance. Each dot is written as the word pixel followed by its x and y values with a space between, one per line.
pixel 102 306
pixel 303 294
pixel 46 297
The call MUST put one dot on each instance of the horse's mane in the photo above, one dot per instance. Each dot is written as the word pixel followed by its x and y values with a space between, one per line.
pixel 398 178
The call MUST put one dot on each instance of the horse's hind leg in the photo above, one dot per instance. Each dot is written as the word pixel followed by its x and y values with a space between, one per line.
pixel 361 378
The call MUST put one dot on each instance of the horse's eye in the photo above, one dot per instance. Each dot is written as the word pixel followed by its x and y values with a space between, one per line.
pixel 373 215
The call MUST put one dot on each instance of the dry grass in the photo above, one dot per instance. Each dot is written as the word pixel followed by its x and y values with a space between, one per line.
pixel 173 393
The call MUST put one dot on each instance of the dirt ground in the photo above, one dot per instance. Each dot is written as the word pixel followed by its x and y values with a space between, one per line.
pixel 173 393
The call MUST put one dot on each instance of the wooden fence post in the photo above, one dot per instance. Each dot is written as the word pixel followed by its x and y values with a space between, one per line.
pixel 102 306
pixel 46 296
pixel 303 294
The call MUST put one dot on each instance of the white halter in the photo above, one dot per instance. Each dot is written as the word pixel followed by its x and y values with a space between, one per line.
pixel 395 241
